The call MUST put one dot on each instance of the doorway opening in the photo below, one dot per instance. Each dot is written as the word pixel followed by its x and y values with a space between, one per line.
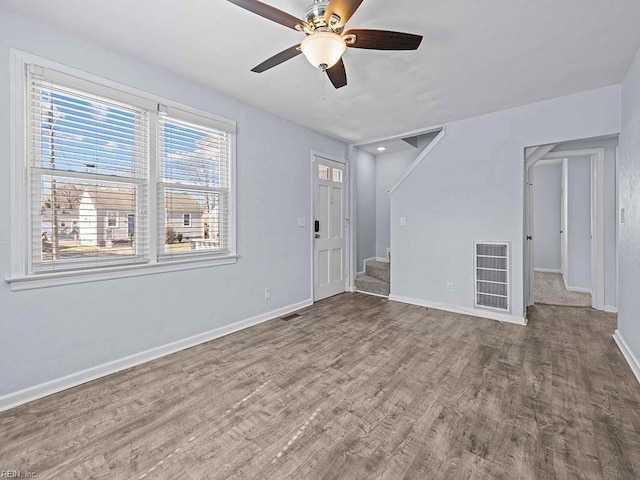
pixel 379 167
pixel 570 224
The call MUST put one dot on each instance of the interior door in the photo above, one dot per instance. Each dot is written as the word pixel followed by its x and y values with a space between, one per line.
pixel 563 220
pixel 529 284
pixel 329 228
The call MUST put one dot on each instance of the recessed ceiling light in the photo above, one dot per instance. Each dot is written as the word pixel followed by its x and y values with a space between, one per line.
pixel 382 148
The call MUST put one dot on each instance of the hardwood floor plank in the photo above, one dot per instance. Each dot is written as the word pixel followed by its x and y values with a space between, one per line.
pixel 357 387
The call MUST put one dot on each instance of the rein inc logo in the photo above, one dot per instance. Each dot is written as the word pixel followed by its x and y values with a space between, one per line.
pixel 17 474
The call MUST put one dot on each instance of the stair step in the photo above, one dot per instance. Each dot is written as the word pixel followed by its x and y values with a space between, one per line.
pixel 379 270
pixel 365 283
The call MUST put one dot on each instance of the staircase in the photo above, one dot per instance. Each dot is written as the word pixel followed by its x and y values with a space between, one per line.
pixel 376 279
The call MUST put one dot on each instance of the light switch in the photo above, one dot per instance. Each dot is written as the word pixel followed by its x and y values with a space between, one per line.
pixel 302 221
pixel 403 221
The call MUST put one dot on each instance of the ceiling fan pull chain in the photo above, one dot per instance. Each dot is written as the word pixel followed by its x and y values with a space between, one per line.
pixel 324 83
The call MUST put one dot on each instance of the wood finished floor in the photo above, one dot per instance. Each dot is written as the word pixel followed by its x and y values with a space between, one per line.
pixel 356 388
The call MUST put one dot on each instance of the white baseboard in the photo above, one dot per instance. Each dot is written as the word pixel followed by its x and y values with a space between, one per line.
pixel 351 289
pixel 475 312
pixel 382 260
pixel 547 270
pixel 368 260
pixel 569 288
pixel 610 309
pixel 628 354
pixel 20 397
pixel 372 294
pixel 577 289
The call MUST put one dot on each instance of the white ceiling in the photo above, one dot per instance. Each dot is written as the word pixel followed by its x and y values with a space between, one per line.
pixel 477 56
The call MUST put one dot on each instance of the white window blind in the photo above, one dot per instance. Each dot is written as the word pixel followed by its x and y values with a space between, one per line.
pixel 87 157
pixel 194 186
pixel 113 178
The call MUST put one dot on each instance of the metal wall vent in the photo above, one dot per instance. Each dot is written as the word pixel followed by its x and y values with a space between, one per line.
pixel 492 276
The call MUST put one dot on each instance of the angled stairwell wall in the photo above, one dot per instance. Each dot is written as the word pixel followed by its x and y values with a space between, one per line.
pixel 375 175
pixel 390 168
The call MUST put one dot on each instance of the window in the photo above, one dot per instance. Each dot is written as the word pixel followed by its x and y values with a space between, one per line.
pixel 86 156
pixel 323 172
pixel 112 221
pixel 89 154
pixel 194 171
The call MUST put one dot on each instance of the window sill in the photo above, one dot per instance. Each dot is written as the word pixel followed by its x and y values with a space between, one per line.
pixel 56 279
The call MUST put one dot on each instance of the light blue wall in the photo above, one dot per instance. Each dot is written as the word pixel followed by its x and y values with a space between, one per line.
pixel 365 207
pixel 54 332
pixel 389 169
pixel 579 223
pixel 629 231
pixel 470 188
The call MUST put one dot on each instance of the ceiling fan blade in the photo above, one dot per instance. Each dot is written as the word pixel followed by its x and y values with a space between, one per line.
pixel 384 40
pixel 338 75
pixel 343 9
pixel 269 12
pixel 277 59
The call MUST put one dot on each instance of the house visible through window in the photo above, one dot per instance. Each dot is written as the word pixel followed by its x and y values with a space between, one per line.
pixel 69 129
pixel 195 172
pixel 89 155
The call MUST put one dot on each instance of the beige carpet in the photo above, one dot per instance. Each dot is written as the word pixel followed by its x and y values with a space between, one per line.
pixel 550 290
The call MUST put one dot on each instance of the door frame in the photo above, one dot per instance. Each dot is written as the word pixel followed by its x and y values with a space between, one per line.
pixel 597 222
pixel 348 207
pixel 564 215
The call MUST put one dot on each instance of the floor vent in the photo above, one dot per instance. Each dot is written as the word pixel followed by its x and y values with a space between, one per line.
pixel 290 317
pixel 492 277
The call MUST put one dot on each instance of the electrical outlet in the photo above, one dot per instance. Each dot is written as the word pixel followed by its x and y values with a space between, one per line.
pixel 450 287
pixel 267 293
pixel 302 221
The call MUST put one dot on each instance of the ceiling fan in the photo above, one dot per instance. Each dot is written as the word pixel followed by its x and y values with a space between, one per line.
pixel 325 42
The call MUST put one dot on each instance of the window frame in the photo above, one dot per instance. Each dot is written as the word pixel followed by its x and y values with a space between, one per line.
pixel 185 222
pixel 226 197
pixel 22 276
pixel 112 216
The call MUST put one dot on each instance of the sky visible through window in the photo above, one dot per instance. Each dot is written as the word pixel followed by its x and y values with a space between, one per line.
pixel 82 135
pixel 85 134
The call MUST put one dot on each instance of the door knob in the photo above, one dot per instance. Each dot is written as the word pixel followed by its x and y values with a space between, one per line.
pixel 317 235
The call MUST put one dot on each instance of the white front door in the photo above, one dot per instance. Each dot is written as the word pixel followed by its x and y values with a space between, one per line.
pixel 329 228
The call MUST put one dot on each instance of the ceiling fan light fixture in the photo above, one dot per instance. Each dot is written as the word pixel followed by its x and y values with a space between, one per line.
pixel 323 49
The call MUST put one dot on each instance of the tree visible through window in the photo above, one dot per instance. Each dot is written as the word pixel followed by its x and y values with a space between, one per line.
pixel 195 166
pixel 86 169
pixel 89 157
